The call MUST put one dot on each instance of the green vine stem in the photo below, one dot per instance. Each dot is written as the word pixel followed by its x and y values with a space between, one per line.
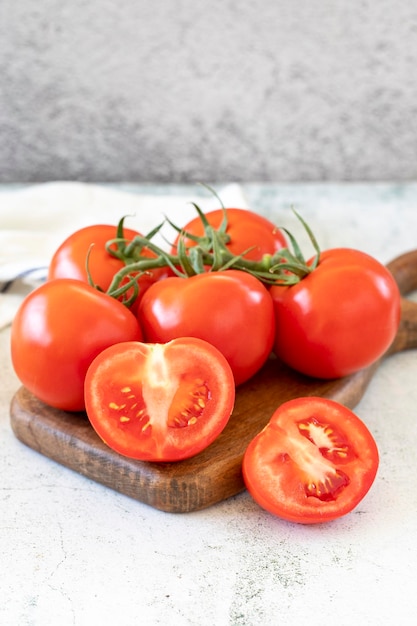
pixel 209 253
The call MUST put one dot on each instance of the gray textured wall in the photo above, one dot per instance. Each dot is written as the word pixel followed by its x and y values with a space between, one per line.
pixel 213 90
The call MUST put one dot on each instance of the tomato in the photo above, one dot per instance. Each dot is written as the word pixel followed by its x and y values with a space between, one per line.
pixel 313 462
pixel 58 330
pixel 245 229
pixel 159 402
pixel 69 260
pixel 230 309
pixel 340 318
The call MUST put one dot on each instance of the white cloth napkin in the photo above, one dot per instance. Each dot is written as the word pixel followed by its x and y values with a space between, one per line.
pixel 35 220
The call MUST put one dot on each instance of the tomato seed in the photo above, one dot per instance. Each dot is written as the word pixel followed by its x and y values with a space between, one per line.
pixel 188 403
pixel 116 407
pixel 329 488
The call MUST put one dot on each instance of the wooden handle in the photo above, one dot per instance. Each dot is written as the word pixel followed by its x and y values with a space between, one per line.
pixel 404 270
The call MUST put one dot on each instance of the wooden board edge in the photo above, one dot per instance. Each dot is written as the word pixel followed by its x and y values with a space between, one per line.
pixel 146 482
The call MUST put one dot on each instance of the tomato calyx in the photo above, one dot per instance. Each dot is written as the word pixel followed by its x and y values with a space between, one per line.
pixel 210 253
pixel 128 252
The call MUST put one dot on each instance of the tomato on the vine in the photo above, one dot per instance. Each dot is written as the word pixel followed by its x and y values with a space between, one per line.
pixel 230 309
pixel 159 402
pixel 70 258
pixel 338 319
pixel 58 330
pixel 313 462
pixel 246 232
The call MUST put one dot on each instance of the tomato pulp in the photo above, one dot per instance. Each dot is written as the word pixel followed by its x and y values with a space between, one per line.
pixel 159 402
pixel 313 462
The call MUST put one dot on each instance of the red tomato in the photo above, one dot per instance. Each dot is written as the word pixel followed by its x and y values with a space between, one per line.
pixel 232 310
pixel 245 229
pixel 156 402
pixel 314 461
pixel 340 318
pixel 58 330
pixel 69 260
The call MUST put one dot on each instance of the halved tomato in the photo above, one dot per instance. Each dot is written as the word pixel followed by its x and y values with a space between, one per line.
pixel 313 462
pixel 159 402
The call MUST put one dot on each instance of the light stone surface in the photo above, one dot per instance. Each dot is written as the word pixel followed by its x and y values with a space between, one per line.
pixel 178 90
pixel 74 553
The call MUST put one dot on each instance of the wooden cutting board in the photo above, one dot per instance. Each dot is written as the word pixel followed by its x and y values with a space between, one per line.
pixel 214 474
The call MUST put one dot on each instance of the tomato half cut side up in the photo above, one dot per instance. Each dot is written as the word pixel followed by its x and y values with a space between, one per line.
pixel 313 462
pixel 159 402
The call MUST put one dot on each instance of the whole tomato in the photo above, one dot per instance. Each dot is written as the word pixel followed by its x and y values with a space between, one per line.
pixel 246 231
pixel 58 330
pixel 69 260
pixel 340 318
pixel 230 309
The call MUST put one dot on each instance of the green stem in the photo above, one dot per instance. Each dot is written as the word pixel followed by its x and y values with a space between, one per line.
pixel 285 267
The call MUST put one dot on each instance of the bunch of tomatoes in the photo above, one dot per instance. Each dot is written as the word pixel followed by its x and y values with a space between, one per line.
pixel 153 345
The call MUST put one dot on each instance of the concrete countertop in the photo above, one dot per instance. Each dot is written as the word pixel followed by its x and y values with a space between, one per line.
pixel 75 553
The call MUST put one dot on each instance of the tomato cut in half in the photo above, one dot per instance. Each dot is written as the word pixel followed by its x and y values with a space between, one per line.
pixel 313 462
pixel 159 402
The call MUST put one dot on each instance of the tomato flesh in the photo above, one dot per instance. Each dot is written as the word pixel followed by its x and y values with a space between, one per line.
pixel 159 402
pixel 313 462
